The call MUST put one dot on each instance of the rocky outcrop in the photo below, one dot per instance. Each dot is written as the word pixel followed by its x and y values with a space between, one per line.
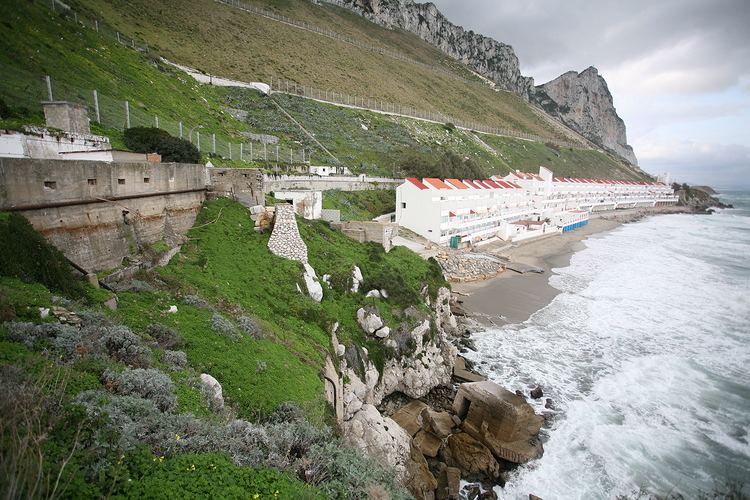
pixel 490 58
pixel 582 101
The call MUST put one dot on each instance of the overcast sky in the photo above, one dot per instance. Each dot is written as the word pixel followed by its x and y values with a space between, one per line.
pixel 679 70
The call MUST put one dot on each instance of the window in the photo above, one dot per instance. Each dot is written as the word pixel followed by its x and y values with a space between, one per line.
pixel 146 180
pixel 403 204
pixel 121 181
pixel 50 185
pixel 92 182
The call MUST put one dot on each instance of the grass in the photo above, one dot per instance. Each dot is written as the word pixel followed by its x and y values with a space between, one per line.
pixel 361 205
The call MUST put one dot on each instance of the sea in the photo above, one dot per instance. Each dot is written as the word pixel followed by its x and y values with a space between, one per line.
pixel 645 355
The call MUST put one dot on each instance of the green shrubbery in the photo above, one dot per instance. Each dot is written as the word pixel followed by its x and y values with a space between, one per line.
pixel 171 149
pixel 450 165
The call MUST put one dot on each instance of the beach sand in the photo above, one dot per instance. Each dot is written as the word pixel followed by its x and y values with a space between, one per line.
pixel 512 297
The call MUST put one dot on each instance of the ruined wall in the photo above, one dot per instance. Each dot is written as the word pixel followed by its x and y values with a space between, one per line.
pixel 99 213
pixel 379 232
pixel 243 184
pixel 273 183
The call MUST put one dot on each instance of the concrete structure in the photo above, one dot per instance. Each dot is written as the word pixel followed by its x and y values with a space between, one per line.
pixel 285 239
pixel 517 206
pixel 67 116
pixel 98 213
pixel 242 184
pixel 307 204
pixel 273 183
pixel 42 144
pixel 379 232
pixel 332 215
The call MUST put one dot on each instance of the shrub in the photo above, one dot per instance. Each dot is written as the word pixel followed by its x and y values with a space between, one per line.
pixel 72 343
pixel 30 334
pixel 164 336
pixel 249 326
pixel 196 301
pixel 172 149
pixel 26 255
pixel 175 360
pixel 148 384
pixel 223 326
pixel 123 345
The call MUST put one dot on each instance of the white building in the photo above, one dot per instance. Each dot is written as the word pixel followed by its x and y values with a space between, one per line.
pixel 517 206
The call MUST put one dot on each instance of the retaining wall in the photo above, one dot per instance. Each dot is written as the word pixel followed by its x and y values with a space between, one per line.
pixel 273 183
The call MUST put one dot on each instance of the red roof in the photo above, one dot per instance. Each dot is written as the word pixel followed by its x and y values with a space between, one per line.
pixel 471 184
pixel 437 183
pixel 451 214
pixel 491 184
pixel 513 184
pixel 456 183
pixel 417 183
pixel 504 184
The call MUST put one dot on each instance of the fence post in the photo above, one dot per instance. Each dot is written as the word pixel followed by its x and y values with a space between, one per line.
pixel 213 143
pixel 49 85
pixel 277 153
pixel 199 140
pixel 230 150
pixel 265 152
pixel 127 114
pixel 118 37
pixel 96 107
pixel 251 151
pixel 156 120
pixel 241 152
pixel 180 124
pixel 291 156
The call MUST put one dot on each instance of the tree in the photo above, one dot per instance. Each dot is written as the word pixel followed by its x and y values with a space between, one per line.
pixel 155 140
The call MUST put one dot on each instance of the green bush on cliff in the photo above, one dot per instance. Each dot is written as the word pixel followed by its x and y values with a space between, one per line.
pixel 26 255
pixel 171 149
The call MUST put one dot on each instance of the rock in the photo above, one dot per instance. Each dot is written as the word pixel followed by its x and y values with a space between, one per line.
pixel 368 319
pixel 213 387
pixel 549 404
pixel 582 101
pixel 43 312
pixel 111 303
pixel 93 280
pixel 327 279
pixel 501 420
pixel 257 209
pixel 299 289
pixel 536 392
pixel 419 480
pixel 448 484
pixel 439 423
pixel 373 293
pixel 409 416
pixel 314 289
pixel 66 317
pixel 391 344
pixel 520 393
pixel 357 279
pixel 456 420
pixel 472 491
pixel 427 443
pixel 488 495
pixel 384 294
pixel 534 497
pixel 172 309
pixel 340 350
pixel 383 332
pixel 472 457
pixel 309 270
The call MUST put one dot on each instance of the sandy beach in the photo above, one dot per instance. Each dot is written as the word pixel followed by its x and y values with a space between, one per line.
pixel 512 297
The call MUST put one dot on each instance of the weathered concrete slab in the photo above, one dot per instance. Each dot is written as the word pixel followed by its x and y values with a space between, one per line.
pixel 409 416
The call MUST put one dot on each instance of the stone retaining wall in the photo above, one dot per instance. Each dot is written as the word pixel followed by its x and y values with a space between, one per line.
pixel 285 239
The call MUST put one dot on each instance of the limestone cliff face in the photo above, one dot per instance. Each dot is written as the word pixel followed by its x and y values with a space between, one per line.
pixel 490 58
pixel 583 102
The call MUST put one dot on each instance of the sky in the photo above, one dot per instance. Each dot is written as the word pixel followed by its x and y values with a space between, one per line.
pixel 679 71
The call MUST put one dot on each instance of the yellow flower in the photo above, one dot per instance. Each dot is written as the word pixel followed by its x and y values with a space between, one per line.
pixel 256 496
pixel 176 437
pixel 161 459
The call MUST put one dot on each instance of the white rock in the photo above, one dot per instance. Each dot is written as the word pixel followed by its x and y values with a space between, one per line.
pixel 309 270
pixel 214 389
pixel 313 288
pixel 383 293
pixel 43 312
pixel 357 274
pixel 340 350
pixel 391 344
pixel 257 209
pixel 370 323
pixel 383 332
pixel 373 293
pixel 298 288
pixel 172 309
pixel 327 279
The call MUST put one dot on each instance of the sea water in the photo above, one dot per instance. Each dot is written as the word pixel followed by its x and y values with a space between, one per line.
pixel 645 354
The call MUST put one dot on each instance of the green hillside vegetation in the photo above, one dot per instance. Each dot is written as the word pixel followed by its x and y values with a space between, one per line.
pixel 225 41
pixel 361 205
pixel 128 379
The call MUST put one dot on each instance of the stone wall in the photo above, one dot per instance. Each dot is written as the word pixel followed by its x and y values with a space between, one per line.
pixel 98 213
pixel 332 215
pixel 379 232
pixel 273 183
pixel 285 239
pixel 243 184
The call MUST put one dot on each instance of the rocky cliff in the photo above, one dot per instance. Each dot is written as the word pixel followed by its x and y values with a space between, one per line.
pixel 583 102
pixel 490 58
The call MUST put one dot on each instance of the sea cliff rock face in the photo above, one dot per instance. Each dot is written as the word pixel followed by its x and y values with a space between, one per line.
pixel 490 58
pixel 583 102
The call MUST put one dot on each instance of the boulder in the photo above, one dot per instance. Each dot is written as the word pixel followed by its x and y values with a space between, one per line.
pixel 213 390
pixel 369 320
pixel 357 279
pixel 409 416
pixel 439 423
pixel 340 350
pixel 549 404
pixel 314 289
pixel 309 270
pixel 448 484
pixel 427 443
pixel 111 304
pixel 470 456
pixel 373 293
pixel 418 478
pixel 383 332
pixel 383 293
pixel 501 420
pixel 537 392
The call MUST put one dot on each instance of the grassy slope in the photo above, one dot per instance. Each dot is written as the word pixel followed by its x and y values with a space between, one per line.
pixel 225 41
pixel 360 205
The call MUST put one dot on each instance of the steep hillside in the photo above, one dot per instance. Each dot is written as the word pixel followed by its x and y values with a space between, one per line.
pixel 226 41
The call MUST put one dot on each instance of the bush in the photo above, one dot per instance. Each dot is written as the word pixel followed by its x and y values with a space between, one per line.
pixel 171 149
pixel 196 301
pixel 123 345
pixel 223 326
pixel 30 334
pixel 164 336
pixel 148 384
pixel 26 255
pixel 175 360
pixel 249 326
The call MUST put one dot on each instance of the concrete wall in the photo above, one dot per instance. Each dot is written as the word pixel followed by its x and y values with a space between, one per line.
pixel 307 204
pixel 314 183
pixel 378 232
pixel 67 116
pixel 42 144
pixel 242 184
pixel 99 213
